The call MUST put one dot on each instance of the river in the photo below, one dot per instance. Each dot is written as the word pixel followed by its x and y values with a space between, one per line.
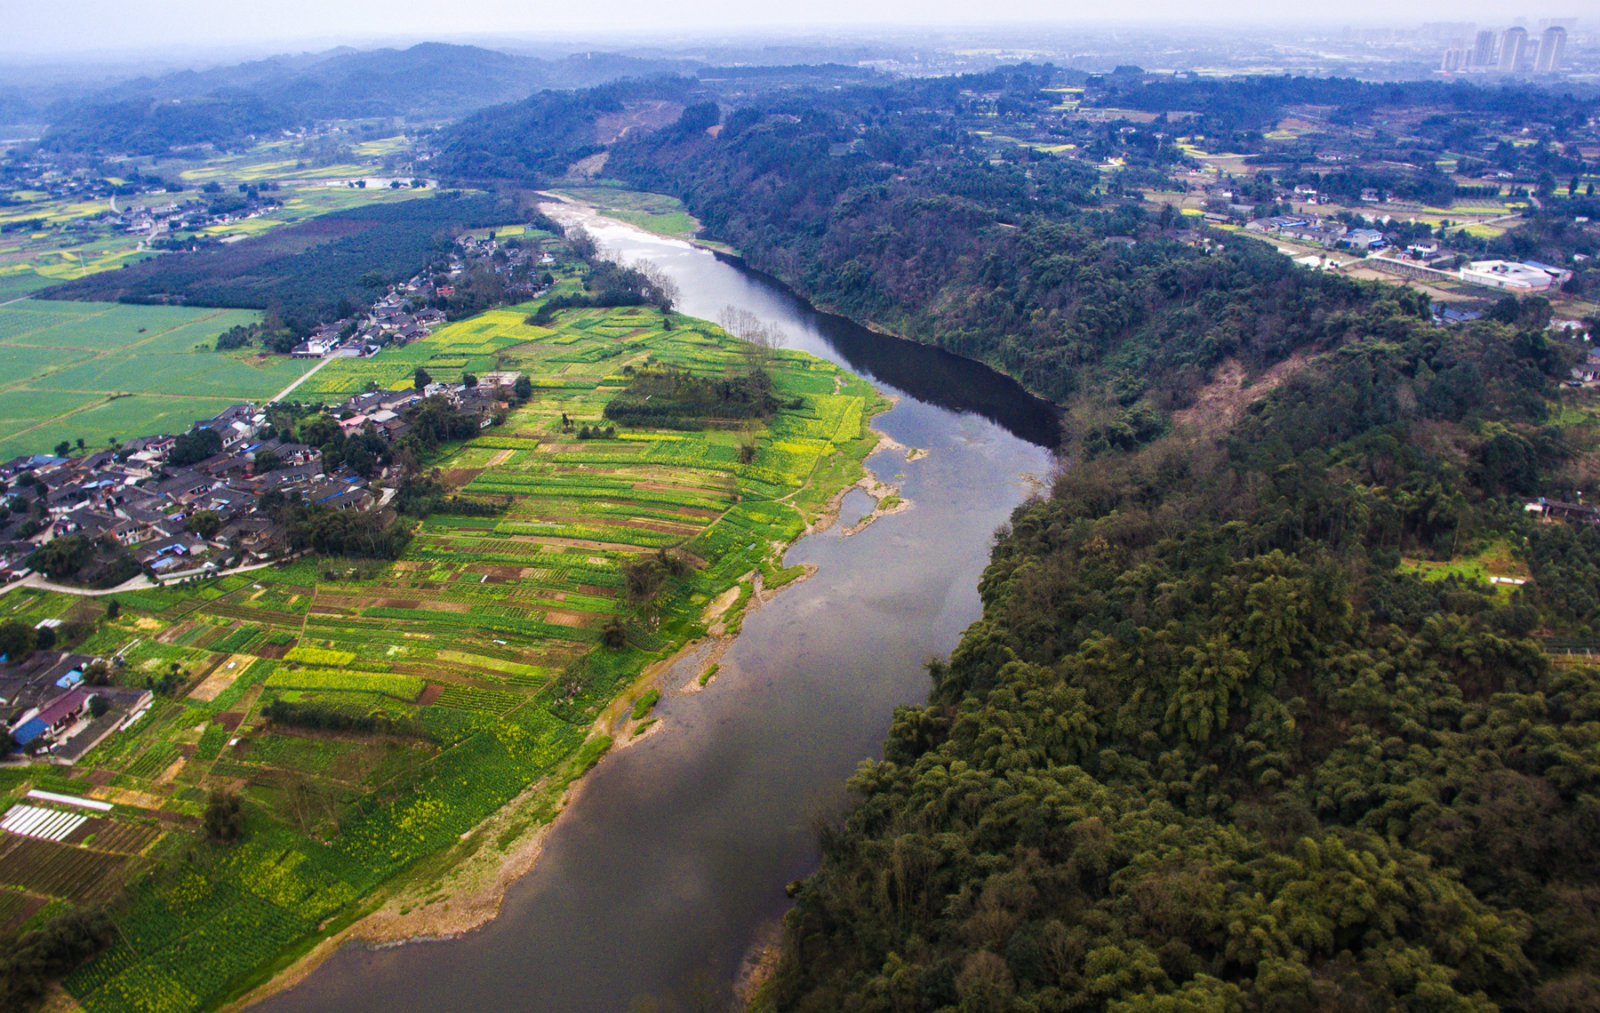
pixel 673 859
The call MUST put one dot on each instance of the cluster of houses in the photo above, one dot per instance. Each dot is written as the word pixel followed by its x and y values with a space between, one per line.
pixel 50 711
pixel 403 314
pixel 391 320
pixel 1320 232
pixel 1421 258
pixel 136 499
pixel 153 220
pixel 132 497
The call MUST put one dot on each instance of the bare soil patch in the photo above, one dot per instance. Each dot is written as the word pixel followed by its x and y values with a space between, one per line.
pixel 1221 401
pixel 566 617
pixel 221 678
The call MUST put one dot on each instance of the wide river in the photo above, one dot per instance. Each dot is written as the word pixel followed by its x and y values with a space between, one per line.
pixel 673 859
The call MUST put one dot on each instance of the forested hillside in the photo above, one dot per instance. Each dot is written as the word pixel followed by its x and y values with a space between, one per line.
pixel 231 104
pixel 878 204
pixel 1212 746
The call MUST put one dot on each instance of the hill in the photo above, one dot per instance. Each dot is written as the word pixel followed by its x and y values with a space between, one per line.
pixel 430 81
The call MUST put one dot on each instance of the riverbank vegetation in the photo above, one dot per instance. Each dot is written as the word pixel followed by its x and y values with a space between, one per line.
pixel 1212 746
pixel 366 715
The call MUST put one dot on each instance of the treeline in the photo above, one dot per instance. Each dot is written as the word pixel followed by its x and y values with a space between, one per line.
pixel 304 274
pixel 140 126
pixel 677 399
pixel 1211 747
pixel 324 717
pixel 35 958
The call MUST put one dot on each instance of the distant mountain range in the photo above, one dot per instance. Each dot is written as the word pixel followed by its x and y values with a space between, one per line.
pixel 430 81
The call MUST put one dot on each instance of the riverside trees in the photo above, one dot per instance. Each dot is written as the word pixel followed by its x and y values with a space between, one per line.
pixel 1209 748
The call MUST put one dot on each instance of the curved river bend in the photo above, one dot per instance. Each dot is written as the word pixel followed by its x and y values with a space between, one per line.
pixel 652 886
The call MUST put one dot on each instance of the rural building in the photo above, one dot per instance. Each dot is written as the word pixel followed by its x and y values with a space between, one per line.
pixel 1504 274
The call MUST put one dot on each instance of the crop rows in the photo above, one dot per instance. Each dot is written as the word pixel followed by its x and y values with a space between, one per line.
pixel 401 687
pixel 58 870
pixel 470 698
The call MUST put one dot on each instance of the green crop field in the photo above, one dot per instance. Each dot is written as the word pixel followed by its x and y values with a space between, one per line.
pixel 460 675
pixel 103 371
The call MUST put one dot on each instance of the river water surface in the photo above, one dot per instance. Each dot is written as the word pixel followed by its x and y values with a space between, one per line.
pixel 673 859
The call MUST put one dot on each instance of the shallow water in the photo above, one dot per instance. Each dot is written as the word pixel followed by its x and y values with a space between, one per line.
pixel 674 858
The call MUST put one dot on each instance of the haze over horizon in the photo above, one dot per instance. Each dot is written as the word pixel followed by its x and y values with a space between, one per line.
pixel 102 29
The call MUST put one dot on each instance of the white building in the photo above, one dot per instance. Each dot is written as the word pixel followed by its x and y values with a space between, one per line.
pixel 1504 274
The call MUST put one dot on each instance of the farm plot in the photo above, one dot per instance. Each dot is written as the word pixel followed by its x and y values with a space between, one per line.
pixel 371 714
pixel 102 371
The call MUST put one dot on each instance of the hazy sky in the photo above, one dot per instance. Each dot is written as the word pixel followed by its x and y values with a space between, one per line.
pixel 43 27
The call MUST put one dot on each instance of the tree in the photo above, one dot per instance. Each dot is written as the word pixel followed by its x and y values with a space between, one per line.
pixel 194 446
pixel 224 816
pixel 62 557
pixel 205 523
pixel 321 431
pixel 17 640
pixel 113 608
pixel 266 461
pixel 420 379
pixel 63 448
pixel 97 673
pixel 523 388
pixel 468 380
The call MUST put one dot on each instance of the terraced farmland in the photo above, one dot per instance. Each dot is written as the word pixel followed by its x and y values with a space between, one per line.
pixel 411 701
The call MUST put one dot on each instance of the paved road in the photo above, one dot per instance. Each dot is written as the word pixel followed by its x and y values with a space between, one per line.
pixel 285 392
pixel 38 580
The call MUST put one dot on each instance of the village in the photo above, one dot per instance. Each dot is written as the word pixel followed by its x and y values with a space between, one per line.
pixel 408 311
pixel 150 501
pixel 147 509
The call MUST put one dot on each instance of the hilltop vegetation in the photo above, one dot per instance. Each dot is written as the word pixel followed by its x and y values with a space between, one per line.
pixel 1211 748
pixel 231 105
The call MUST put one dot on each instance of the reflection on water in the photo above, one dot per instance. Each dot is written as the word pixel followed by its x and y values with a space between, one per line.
pixel 675 856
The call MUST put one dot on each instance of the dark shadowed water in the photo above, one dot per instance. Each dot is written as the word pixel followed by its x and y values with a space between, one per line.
pixel 675 856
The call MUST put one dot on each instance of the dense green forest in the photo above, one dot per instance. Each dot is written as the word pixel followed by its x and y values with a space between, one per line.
pixel 305 273
pixel 1212 748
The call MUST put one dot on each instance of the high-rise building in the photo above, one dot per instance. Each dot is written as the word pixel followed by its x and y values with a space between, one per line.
pixel 1483 50
pixel 1452 60
pixel 1552 47
pixel 1512 43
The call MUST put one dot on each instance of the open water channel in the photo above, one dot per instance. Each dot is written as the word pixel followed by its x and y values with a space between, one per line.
pixel 655 882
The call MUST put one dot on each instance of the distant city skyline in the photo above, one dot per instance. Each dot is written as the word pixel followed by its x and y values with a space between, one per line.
pixel 86 27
